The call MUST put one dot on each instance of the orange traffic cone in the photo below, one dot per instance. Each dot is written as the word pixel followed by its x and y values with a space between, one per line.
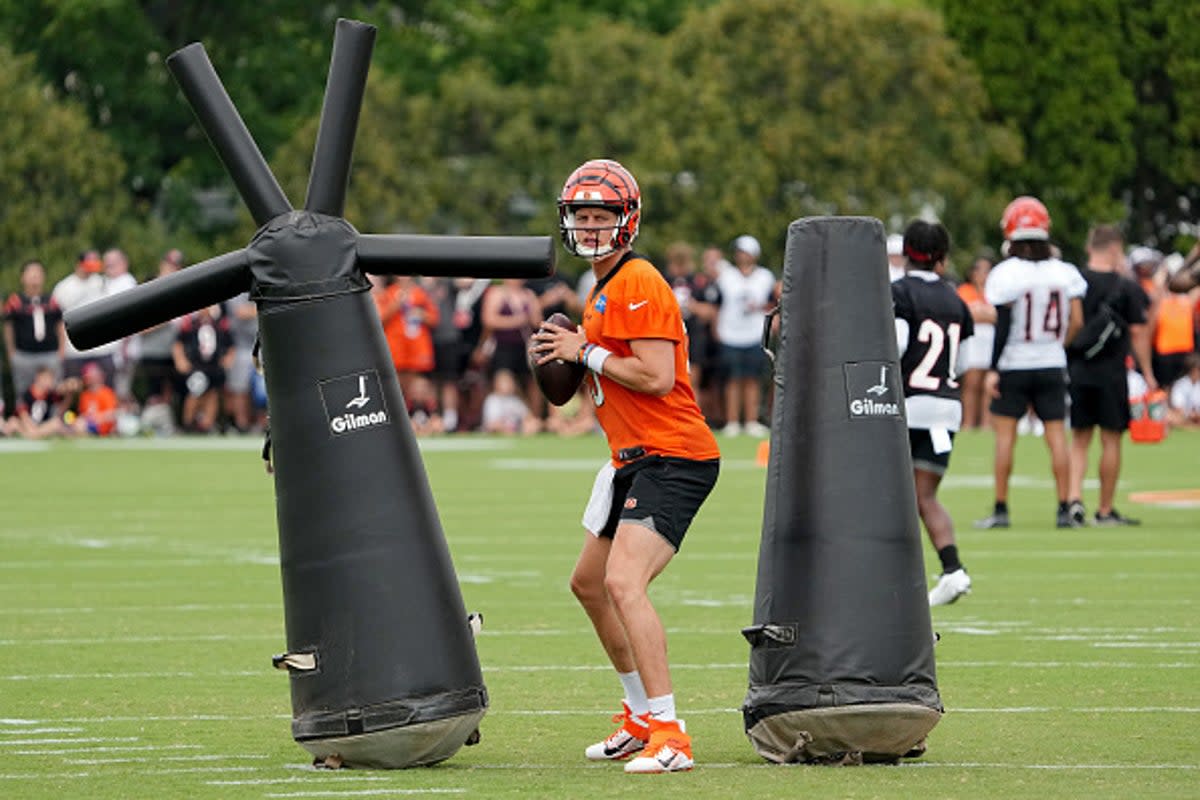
pixel 764 453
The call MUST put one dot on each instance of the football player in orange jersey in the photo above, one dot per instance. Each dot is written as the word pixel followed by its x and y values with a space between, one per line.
pixel 664 459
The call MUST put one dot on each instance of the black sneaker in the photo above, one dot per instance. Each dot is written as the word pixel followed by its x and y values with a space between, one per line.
pixel 1065 519
pixel 1078 513
pixel 997 520
pixel 1114 519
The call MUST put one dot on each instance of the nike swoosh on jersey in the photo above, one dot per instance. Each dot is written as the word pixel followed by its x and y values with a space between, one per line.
pixel 636 306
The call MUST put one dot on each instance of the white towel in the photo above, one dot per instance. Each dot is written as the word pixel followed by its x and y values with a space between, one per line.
pixel 600 503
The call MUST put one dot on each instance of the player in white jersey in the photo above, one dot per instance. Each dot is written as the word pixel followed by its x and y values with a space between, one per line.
pixel 1039 309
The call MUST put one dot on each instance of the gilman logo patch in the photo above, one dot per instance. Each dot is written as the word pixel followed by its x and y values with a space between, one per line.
pixel 354 402
pixel 873 389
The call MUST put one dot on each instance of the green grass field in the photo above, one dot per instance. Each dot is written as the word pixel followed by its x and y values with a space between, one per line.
pixel 140 604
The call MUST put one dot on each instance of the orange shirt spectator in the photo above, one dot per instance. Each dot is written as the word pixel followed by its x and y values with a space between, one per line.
pixel 97 403
pixel 409 316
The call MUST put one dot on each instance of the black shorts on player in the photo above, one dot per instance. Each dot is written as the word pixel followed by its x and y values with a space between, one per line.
pixel 1045 389
pixel 923 455
pixel 662 494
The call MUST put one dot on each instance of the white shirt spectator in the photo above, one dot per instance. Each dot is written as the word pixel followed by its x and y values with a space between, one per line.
pixel 503 413
pixel 745 298
pixel 1040 294
pixel 1185 395
pixel 77 290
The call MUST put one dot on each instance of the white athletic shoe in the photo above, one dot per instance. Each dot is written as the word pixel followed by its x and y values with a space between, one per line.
pixel 628 739
pixel 950 587
pixel 732 429
pixel 756 429
pixel 669 750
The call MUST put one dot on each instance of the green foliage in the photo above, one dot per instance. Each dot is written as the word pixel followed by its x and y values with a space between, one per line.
pixel 60 181
pixel 1105 97
pixel 795 109
pixel 741 119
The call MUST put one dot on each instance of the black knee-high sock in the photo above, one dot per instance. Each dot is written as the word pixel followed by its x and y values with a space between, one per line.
pixel 949 559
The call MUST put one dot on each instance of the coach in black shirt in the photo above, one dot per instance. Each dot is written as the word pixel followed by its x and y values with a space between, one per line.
pixel 33 335
pixel 1114 318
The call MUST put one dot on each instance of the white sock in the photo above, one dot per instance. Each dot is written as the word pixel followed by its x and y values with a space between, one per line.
pixel 662 708
pixel 450 419
pixel 635 693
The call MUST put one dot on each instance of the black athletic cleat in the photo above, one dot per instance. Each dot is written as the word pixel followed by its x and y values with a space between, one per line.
pixel 1078 513
pixel 1065 519
pixel 1114 519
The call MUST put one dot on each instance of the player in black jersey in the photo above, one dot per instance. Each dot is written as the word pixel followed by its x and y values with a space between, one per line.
pixel 932 321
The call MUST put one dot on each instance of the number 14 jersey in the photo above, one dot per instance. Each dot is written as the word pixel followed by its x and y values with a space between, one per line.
pixel 1040 294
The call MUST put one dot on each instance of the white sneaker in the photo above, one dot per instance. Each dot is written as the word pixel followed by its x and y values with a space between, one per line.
pixel 950 587
pixel 732 429
pixel 756 429
pixel 669 750
pixel 628 739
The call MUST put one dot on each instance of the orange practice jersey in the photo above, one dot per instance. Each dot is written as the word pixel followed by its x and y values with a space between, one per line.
pixel 637 303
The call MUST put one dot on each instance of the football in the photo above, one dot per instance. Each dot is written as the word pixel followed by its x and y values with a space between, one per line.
pixel 559 379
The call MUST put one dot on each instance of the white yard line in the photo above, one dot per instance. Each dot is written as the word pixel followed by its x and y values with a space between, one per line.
pixel 133 749
pixel 326 776
pixel 364 792
pixel 222 757
pixel 76 740
pixel 109 611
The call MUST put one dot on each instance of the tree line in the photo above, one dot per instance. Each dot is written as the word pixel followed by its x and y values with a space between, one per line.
pixel 736 115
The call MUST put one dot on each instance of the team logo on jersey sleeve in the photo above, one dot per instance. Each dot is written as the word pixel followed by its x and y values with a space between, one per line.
pixel 872 389
pixel 601 303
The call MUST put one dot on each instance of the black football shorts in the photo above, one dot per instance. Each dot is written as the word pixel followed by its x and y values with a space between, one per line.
pixel 923 455
pixel 660 493
pixel 1044 389
pixel 1103 406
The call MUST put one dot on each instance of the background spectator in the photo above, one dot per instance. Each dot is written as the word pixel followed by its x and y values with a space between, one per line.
pixel 746 293
pixel 895 256
pixel 407 315
pixel 33 329
pixel 503 410
pixel 712 367
pixel 158 386
pixel 83 286
pixel 447 349
pixel 510 315
pixel 976 353
pixel 1184 410
pixel 118 278
pixel 97 404
pixel 422 403
pixel 203 353
pixel 242 314
pixel 1174 334
pixel 42 410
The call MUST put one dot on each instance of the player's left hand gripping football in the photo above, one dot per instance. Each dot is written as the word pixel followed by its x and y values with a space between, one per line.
pixel 552 341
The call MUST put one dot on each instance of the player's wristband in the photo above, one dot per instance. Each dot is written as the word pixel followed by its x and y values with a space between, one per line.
pixel 594 357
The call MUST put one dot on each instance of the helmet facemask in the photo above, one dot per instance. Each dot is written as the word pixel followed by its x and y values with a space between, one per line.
pixel 569 227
